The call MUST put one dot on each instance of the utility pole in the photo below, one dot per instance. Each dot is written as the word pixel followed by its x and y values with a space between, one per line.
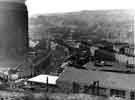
pixel 47 84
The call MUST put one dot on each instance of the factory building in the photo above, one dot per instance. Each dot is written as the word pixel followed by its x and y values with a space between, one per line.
pixel 97 83
pixel 14 43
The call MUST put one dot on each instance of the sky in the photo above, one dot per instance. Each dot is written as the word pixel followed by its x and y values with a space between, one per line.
pixel 59 6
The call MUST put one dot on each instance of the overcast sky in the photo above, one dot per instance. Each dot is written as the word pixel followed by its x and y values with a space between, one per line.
pixel 58 6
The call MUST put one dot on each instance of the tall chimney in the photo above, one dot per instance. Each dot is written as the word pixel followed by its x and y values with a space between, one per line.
pixel 13 27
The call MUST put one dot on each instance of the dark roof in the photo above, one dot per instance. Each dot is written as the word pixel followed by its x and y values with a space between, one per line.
pixel 110 66
pixel 7 63
pixel 106 79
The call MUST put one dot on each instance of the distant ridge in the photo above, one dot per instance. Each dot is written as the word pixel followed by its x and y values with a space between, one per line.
pixel 118 23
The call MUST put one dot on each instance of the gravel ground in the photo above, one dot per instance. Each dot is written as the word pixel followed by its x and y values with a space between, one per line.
pixel 8 95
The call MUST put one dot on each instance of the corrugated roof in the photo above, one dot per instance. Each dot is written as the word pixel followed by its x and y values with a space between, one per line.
pixel 106 79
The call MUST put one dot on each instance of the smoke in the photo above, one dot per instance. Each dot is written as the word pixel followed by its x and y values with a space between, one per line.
pixel 18 1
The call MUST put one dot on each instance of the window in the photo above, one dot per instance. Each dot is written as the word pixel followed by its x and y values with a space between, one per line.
pixel 118 93
pixel 102 91
pixel 132 95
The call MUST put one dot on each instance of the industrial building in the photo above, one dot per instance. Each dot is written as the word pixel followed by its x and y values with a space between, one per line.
pixel 98 83
pixel 15 60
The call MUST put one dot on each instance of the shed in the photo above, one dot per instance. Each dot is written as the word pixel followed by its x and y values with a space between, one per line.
pixel 43 79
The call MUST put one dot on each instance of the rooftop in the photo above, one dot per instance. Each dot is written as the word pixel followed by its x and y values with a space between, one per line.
pixel 110 66
pixel 106 79
pixel 7 63
pixel 43 79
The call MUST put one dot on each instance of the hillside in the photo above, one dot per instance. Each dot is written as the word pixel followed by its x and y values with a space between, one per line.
pixel 110 24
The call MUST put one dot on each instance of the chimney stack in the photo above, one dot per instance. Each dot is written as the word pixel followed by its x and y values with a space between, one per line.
pixel 13 27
